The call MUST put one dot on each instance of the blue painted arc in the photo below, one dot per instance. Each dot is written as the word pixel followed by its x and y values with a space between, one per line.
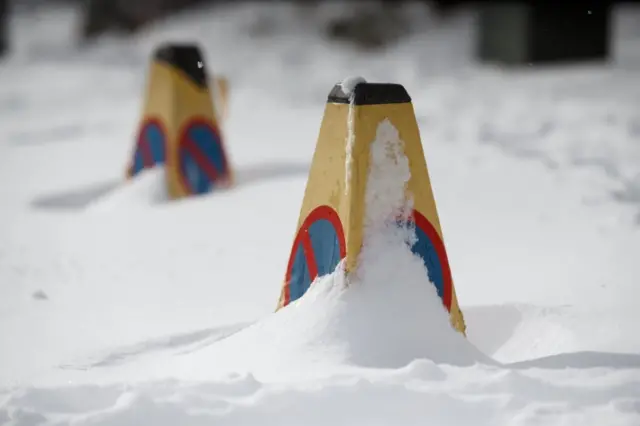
pixel 154 137
pixel 300 279
pixel 326 249
pixel 209 148
pixel 424 248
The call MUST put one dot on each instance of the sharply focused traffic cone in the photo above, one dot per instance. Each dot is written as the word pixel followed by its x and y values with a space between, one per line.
pixel 180 126
pixel 330 226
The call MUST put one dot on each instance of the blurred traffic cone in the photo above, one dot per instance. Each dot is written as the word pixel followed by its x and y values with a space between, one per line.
pixel 180 127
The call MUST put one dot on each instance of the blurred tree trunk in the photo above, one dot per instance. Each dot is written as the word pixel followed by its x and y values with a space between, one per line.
pixel 4 26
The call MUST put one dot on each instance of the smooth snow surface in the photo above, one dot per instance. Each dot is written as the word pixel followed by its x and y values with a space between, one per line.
pixel 148 188
pixel 119 307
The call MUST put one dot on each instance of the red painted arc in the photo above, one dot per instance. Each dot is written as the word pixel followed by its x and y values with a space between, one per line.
pixel 327 213
pixel 321 212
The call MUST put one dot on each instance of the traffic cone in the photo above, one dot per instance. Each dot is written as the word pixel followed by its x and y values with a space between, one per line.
pixel 180 127
pixel 330 225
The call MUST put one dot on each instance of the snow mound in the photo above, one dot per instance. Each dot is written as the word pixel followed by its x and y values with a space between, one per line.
pixel 145 189
pixel 385 314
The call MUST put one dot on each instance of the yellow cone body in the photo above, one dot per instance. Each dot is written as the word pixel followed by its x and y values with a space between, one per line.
pixel 330 225
pixel 180 127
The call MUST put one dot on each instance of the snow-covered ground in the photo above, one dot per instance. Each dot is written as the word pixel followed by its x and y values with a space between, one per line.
pixel 117 307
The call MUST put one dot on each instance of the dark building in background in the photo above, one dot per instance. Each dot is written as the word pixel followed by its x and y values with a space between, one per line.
pixel 128 15
pixel 526 32
pixel 4 26
pixel 509 32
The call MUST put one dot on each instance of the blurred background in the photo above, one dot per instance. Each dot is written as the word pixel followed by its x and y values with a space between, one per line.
pixel 556 82
pixel 462 55
pixel 533 30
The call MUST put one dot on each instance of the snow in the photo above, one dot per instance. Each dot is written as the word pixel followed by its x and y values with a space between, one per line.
pixel 148 188
pixel 120 307
pixel 348 85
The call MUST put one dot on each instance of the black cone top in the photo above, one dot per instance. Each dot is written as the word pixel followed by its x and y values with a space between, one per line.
pixel 370 94
pixel 185 57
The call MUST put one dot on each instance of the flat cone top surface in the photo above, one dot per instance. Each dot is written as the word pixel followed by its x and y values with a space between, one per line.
pixel 370 94
pixel 187 58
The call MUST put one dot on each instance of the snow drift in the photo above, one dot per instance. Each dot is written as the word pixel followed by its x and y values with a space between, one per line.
pixel 383 315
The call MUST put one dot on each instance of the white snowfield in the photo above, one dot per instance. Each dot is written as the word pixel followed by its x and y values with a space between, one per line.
pixel 118 307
